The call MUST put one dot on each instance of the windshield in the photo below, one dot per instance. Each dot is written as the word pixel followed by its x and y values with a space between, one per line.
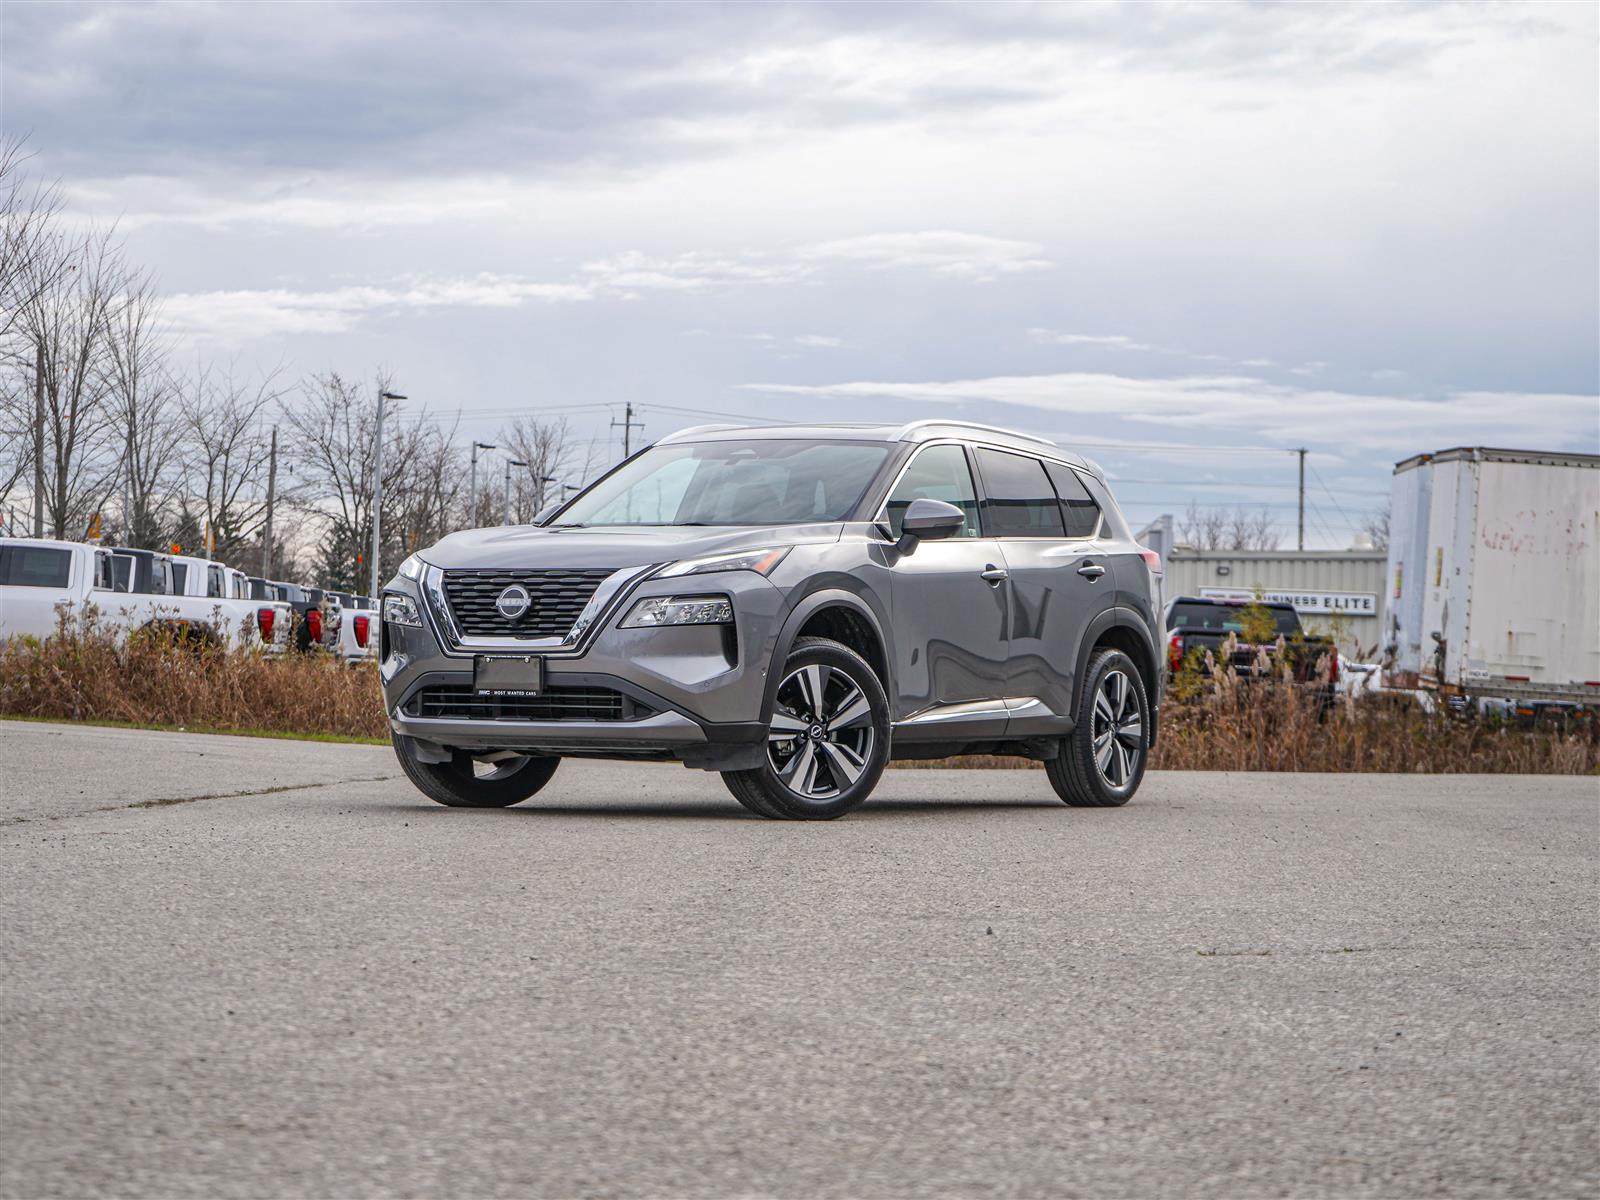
pixel 1227 618
pixel 756 482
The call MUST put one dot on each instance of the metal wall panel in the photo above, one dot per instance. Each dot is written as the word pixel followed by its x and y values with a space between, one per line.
pixel 1345 572
pixel 1405 578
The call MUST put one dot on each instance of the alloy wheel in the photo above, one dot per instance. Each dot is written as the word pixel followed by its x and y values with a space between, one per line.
pixel 1118 729
pixel 822 735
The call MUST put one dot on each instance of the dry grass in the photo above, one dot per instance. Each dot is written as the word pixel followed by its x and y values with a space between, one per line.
pixel 84 674
pixel 1212 721
pixel 1215 721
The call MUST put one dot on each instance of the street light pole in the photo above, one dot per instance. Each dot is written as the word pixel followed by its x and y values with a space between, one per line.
pixel 472 485
pixel 510 462
pixel 377 488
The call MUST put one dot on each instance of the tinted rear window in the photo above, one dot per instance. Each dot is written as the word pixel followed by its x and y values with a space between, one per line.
pixel 1018 499
pixel 1226 618
pixel 1078 508
pixel 34 566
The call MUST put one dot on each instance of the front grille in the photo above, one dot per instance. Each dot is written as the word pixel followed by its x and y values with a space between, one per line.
pixel 458 703
pixel 558 598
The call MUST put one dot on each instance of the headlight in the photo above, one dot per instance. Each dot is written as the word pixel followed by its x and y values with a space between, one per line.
pixel 401 610
pixel 412 568
pixel 761 562
pixel 679 610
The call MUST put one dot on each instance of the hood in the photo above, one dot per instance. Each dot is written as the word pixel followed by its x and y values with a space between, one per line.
pixel 530 547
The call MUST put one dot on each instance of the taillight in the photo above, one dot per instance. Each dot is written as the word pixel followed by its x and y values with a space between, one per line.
pixel 1151 559
pixel 1174 647
pixel 1333 666
pixel 314 623
pixel 265 617
pixel 361 624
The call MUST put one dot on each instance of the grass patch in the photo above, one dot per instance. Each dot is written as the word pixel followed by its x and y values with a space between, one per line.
pixel 1212 719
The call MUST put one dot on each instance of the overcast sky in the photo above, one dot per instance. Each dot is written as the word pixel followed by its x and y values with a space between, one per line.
pixel 1368 230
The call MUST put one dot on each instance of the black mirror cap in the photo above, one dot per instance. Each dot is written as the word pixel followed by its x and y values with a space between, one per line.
pixel 925 518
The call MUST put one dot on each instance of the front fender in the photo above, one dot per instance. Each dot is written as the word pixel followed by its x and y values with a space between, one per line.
pixel 806 608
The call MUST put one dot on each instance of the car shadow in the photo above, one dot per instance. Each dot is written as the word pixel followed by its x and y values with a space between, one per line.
pixel 710 811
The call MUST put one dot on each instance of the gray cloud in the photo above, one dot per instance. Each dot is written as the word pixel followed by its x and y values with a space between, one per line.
pixel 370 90
pixel 1369 228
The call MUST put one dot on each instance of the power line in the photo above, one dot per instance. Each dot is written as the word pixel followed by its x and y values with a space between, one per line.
pixel 1223 483
pixel 711 412
pixel 1331 496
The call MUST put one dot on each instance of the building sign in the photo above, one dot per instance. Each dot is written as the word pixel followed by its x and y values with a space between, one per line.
pixel 1334 604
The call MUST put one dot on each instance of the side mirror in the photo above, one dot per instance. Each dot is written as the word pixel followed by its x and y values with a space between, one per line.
pixel 925 518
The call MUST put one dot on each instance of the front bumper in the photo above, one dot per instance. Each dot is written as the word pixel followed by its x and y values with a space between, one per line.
pixel 694 692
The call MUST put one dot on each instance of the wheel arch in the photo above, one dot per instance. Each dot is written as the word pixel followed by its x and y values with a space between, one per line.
pixel 1123 629
pixel 833 613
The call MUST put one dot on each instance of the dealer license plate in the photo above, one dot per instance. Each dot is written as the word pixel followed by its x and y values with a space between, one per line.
pixel 507 675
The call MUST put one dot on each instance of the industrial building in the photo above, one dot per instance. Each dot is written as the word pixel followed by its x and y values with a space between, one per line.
pixel 1336 592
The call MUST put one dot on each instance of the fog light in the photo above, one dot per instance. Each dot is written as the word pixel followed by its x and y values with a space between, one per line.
pixel 679 610
pixel 401 610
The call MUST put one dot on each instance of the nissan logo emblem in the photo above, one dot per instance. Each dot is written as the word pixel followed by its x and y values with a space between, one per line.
pixel 513 602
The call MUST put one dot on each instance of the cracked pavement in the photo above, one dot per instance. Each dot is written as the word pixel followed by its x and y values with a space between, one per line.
pixel 249 967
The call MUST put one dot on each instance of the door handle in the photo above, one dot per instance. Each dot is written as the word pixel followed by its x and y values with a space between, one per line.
pixel 994 575
pixel 1091 571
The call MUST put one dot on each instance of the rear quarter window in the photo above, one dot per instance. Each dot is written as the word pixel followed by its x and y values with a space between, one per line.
pixel 1078 509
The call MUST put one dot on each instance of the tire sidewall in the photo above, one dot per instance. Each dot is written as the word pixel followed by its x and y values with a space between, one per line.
pixel 1101 666
pixel 813 652
pixel 453 783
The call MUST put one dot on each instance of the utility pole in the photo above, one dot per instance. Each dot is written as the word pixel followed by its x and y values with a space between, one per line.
pixel 510 462
pixel 38 440
pixel 1302 453
pixel 377 490
pixel 272 496
pixel 472 485
pixel 628 426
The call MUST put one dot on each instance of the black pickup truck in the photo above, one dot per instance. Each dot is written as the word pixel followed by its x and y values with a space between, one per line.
pixel 1202 622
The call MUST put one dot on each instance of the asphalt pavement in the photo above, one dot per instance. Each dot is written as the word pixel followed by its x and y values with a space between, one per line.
pixel 241 967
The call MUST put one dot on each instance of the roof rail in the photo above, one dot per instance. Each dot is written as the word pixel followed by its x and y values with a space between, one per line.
pixel 680 434
pixel 926 422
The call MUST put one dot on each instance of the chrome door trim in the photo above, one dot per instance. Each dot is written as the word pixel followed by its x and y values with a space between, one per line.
pixel 978 710
pixel 458 644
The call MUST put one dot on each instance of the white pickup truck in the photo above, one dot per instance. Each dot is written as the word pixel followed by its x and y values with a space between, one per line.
pixel 265 625
pixel 130 588
pixel 358 629
pixel 37 575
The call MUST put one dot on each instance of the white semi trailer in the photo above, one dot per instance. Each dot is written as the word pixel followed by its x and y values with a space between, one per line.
pixel 1494 571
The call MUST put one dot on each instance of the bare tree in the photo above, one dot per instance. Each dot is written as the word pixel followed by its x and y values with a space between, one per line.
pixel 548 449
pixel 72 288
pixel 1228 529
pixel 142 396
pixel 1376 527
pixel 228 454
pixel 332 433
pixel 28 209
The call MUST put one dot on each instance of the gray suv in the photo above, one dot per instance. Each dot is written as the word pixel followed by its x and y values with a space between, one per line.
pixel 792 607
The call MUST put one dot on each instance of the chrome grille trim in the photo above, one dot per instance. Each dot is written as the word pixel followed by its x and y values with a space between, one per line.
pixel 456 642
pixel 558 597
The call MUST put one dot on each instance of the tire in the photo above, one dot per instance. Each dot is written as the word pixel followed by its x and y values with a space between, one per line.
pixel 1107 777
pixel 831 718
pixel 457 784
